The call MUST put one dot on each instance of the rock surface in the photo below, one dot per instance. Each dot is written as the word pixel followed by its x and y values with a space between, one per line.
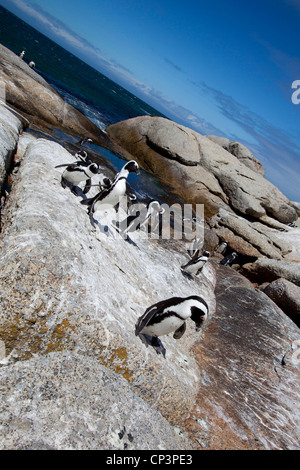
pixel 10 127
pixel 200 170
pixel 70 297
pixel 86 297
pixel 30 94
pixel 67 401
pixel 287 296
pixel 239 151
pixel 268 270
pixel 248 391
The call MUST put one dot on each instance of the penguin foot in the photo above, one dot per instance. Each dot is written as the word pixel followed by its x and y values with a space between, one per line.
pixel 187 275
pixel 154 342
pixel 158 346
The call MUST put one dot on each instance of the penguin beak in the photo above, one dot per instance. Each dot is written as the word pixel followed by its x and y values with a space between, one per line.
pixel 198 325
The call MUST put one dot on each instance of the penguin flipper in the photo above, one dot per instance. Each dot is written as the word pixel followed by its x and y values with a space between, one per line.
pixel 67 164
pixel 144 320
pixel 180 331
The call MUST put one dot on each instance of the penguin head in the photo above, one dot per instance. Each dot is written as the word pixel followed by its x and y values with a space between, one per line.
pixel 206 253
pixel 199 311
pixel 132 167
pixel 94 168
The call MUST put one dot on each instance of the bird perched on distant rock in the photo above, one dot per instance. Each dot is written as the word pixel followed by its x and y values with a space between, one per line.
pixel 169 316
pixel 196 264
pixel 228 260
pixel 221 248
pixel 109 197
pixel 84 141
pixel 77 172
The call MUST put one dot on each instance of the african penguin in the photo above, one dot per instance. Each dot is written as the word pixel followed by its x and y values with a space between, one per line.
pixel 109 197
pixel 221 248
pixel 194 248
pixel 83 156
pixel 138 217
pixel 77 172
pixel 195 265
pixel 170 315
pixel 228 260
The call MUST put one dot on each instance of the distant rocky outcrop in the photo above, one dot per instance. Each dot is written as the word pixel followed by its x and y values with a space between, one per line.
pixel 241 152
pixel 27 92
pixel 241 206
pixel 199 169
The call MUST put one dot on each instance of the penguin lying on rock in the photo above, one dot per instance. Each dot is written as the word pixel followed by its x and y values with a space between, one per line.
pixel 77 172
pixel 109 197
pixel 169 316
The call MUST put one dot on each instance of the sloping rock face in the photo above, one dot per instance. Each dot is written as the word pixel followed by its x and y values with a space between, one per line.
pixel 67 401
pixel 157 143
pixel 66 288
pixel 29 93
pixel 249 369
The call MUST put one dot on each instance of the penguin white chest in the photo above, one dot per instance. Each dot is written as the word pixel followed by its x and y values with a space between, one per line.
pixel 167 325
pixel 75 177
pixel 112 198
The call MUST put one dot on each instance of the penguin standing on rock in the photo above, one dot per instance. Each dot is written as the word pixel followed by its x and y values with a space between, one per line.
pixel 222 248
pixel 137 220
pixel 109 197
pixel 77 172
pixel 169 316
pixel 195 265
pixel 229 259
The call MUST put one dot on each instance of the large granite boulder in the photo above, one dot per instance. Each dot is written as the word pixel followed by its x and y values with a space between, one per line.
pixel 66 288
pixel 27 92
pixel 200 170
pixel 268 270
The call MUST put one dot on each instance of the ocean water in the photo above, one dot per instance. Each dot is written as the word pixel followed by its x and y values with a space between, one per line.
pixel 102 100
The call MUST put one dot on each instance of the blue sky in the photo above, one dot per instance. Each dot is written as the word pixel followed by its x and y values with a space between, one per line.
pixel 221 67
